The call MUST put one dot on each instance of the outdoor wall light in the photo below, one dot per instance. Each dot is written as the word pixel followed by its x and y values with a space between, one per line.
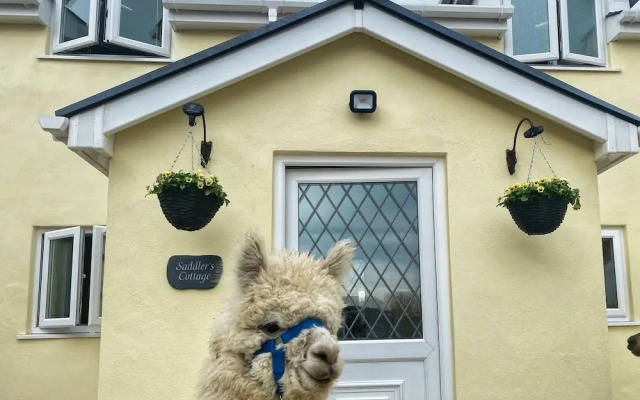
pixel 363 101
pixel 533 131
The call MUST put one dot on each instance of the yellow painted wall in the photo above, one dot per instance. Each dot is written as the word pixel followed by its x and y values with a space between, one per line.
pixel 44 184
pixel 619 199
pixel 527 311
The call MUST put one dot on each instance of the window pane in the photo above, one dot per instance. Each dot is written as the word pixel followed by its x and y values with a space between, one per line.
pixel 104 243
pixel 141 20
pixel 583 35
pixel 75 19
pixel 530 27
pixel 85 281
pixel 609 273
pixel 382 291
pixel 60 267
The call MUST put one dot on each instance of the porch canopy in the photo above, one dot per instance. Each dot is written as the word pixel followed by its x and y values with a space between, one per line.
pixel 89 125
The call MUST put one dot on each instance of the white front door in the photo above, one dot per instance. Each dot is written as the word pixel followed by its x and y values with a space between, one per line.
pixel 389 336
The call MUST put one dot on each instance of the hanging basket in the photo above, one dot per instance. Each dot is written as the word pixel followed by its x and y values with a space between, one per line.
pixel 540 215
pixel 188 209
pixel 190 199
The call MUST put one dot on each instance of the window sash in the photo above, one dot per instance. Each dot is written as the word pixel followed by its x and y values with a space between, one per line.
pixel 566 40
pixel 90 39
pixel 622 312
pixel 112 32
pixel 97 268
pixel 49 237
pixel 553 53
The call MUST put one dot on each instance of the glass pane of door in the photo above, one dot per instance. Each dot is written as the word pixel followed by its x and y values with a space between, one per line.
pixel 530 27
pixel 75 19
pixel 609 273
pixel 382 291
pixel 583 33
pixel 141 20
pixel 60 269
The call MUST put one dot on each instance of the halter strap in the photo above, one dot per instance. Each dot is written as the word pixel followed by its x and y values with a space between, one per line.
pixel 277 354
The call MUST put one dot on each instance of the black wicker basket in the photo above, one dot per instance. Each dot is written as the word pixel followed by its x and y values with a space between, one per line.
pixel 540 215
pixel 188 209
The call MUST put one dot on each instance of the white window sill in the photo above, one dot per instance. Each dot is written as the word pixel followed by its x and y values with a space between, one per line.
pixel 624 323
pixel 99 57
pixel 575 68
pixel 27 336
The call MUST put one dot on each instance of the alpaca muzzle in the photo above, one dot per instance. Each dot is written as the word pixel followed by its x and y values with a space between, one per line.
pixel 278 354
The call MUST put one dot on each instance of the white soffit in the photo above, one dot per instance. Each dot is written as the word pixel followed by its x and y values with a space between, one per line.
pixel 92 131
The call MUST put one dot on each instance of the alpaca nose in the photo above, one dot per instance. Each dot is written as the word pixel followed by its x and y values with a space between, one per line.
pixel 327 352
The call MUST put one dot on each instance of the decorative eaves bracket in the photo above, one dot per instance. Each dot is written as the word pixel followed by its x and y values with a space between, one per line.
pixel 25 11
pixel 622 143
pixel 621 21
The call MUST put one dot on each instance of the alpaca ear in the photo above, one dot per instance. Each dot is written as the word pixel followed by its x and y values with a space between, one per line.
pixel 252 259
pixel 338 260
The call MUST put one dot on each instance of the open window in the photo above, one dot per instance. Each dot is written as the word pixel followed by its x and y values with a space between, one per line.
pixel 138 25
pixel 111 27
pixel 69 279
pixel 76 24
pixel 557 32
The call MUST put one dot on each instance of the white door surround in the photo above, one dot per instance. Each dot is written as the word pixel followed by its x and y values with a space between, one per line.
pixel 432 172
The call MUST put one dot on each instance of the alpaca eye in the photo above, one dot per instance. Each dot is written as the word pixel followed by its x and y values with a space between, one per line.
pixel 271 327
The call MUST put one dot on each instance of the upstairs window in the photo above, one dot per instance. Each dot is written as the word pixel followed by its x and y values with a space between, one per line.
pixel 69 280
pixel 110 27
pixel 557 32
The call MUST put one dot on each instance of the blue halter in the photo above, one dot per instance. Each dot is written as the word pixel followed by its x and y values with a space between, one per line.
pixel 277 354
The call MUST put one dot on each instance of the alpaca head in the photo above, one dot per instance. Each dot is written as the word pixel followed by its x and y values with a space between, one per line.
pixel 633 344
pixel 279 291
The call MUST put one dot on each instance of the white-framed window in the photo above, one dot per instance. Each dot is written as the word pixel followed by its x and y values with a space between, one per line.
pixel 615 275
pixel 558 32
pixel 68 280
pixel 112 27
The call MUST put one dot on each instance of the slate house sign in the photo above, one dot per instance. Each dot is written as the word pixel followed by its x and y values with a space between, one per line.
pixel 194 272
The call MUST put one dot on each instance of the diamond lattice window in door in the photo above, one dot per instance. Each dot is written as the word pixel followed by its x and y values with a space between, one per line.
pixel 382 291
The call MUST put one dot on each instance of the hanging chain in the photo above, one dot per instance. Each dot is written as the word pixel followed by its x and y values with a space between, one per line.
pixel 533 154
pixel 192 146
pixel 182 148
pixel 545 158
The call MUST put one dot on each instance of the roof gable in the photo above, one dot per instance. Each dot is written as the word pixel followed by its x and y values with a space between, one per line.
pixel 94 120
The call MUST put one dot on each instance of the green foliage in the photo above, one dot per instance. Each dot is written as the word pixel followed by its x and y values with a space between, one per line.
pixel 181 179
pixel 543 187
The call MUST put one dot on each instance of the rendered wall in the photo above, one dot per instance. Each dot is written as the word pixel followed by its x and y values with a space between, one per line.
pixel 619 197
pixel 43 184
pixel 524 308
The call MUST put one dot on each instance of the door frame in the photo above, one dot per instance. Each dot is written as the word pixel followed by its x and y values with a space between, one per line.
pixel 437 164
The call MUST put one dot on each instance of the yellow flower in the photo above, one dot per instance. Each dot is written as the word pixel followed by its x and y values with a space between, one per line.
pixel 208 181
pixel 188 179
pixel 200 185
pixel 149 190
pixel 166 174
pixel 540 189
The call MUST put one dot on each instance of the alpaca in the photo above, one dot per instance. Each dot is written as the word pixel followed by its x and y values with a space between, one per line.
pixel 276 292
pixel 633 344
